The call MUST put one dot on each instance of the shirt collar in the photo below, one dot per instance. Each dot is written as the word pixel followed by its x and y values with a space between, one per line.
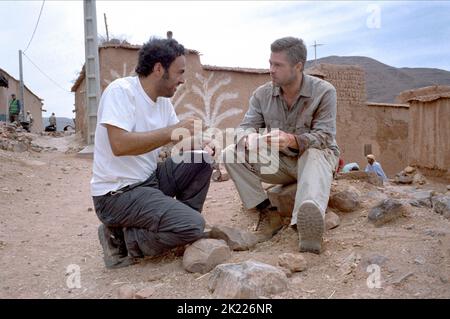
pixel 305 90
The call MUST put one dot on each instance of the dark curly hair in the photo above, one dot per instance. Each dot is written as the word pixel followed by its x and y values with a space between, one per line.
pixel 164 51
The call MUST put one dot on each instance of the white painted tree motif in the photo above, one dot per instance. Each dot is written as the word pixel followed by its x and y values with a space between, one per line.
pixel 207 90
pixel 179 96
pixel 115 75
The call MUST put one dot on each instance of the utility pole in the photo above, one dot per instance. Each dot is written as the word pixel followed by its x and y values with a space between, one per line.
pixel 106 26
pixel 315 45
pixel 21 89
pixel 92 68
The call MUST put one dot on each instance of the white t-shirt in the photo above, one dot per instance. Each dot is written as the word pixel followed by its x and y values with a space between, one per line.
pixel 125 104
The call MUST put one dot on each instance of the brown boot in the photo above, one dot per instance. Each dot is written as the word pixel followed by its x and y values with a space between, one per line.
pixel 269 224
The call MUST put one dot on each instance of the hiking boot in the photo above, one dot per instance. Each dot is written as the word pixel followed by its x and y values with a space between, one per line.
pixel 310 227
pixel 113 249
pixel 269 224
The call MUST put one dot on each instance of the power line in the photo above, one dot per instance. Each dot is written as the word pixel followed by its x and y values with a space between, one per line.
pixel 37 23
pixel 54 82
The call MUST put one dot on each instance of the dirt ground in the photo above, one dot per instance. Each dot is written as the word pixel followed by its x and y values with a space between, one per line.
pixel 47 224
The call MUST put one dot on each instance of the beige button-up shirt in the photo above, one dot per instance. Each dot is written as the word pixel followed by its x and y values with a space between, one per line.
pixel 312 117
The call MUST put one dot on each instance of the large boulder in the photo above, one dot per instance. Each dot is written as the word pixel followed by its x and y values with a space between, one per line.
pixel 236 239
pixel 283 198
pixel 205 254
pixel 421 199
pixel 385 211
pixel 345 201
pixel 441 205
pixel 249 279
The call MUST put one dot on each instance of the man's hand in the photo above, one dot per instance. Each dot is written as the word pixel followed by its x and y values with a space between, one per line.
pixel 189 123
pixel 281 139
pixel 251 141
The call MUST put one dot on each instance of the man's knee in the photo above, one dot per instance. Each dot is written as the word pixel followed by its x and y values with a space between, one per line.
pixel 312 153
pixel 195 229
pixel 203 168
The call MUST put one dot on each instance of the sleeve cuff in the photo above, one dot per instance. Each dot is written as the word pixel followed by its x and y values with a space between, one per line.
pixel 303 144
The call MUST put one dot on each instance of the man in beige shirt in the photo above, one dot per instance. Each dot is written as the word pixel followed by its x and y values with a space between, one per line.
pixel 299 113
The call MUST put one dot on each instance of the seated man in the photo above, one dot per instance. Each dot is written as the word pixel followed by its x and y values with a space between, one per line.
pixel 374 166
pixel 300 112
pixel 132 194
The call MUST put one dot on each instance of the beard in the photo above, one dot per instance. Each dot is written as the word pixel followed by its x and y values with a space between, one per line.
pixel 286 81
pixel 166 88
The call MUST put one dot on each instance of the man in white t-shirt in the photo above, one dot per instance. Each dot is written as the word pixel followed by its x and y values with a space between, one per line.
pixel 133 194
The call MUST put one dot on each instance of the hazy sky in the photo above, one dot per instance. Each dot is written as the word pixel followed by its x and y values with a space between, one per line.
pixel 227 33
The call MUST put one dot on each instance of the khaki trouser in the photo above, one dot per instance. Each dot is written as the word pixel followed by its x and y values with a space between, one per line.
pixel 313 172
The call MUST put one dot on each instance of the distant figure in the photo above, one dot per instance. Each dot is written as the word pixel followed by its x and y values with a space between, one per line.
pixel 14 109
pixel 350 167
pixel 28 122
pixel 374 166
pixel 52 126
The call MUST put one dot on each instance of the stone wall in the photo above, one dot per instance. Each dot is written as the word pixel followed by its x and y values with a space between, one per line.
pixel 429 131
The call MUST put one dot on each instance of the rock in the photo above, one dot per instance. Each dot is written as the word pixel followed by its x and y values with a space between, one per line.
pixel 216 175
pixel 331 220
pixel 90 209
pixel 205 254
pixel 219 176
pixel 441 205
pixel 224 177
pixel 345 201
pixel 236 239
pixel 369 177
pixel 283 198
pixel 293 262
pixel 126 292
pixel 249 279
pixel 19 147
pixel 349 263
pixel 145 293
pixel 402 278
pixel 419 179
pixel 375 259
pixel 448 187
pixel 386 211
pixel 409 170
pixel 403 179
pixel 420 260
pixel 421 199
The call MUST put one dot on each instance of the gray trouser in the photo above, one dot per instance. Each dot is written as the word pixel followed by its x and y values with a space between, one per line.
pixel 154 221
pixel 313 171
